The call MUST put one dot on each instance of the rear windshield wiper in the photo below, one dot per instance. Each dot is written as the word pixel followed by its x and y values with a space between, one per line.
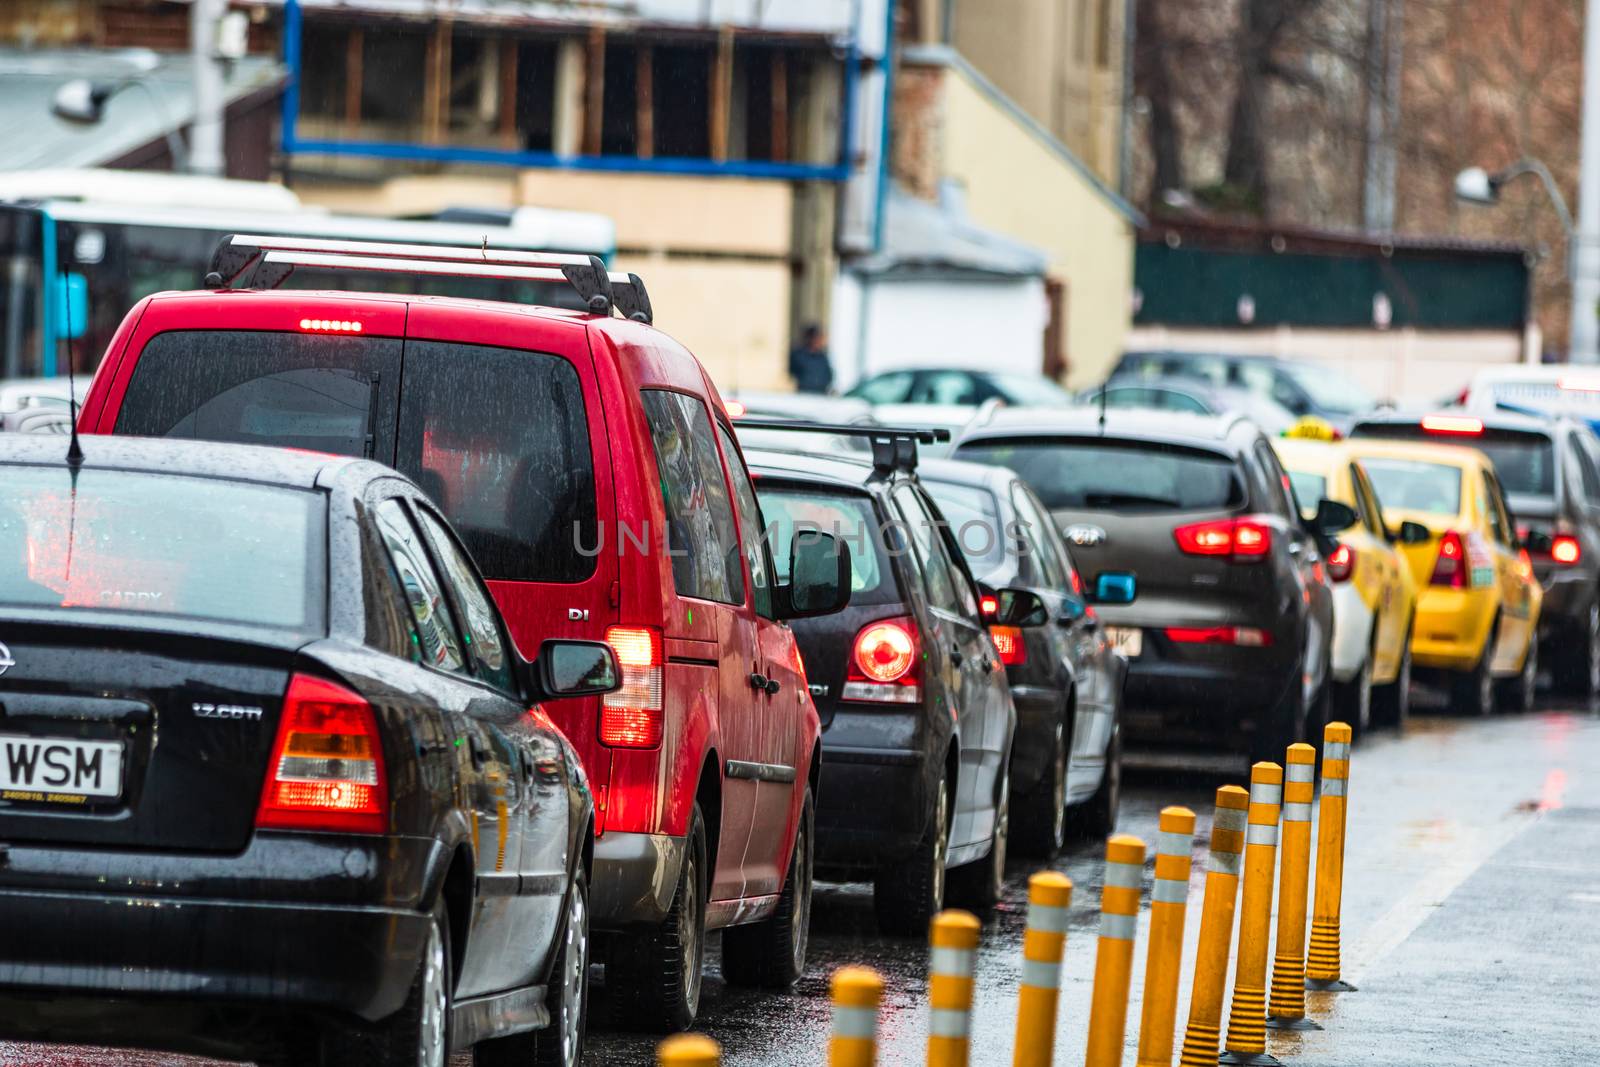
pixel 1127 500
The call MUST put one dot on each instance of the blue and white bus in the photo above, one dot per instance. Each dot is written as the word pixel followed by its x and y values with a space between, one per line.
pixel 109 238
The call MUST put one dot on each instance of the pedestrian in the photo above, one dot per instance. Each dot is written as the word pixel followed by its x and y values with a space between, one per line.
pixel 809 365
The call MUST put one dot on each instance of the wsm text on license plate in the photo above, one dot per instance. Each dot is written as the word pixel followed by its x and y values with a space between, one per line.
pixel 60 765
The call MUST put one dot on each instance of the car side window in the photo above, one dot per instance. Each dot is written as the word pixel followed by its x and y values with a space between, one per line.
pixel 891 388
pixel 929 551
pixel 438 645
pixel 755 541
pixel 1371 506
pixel 945 387
pixel 1366 509
pixel 1276 482
pixel 1499 519
pixel 700 533
pixel 1035 532
pixel 1588 472
pixel 487 643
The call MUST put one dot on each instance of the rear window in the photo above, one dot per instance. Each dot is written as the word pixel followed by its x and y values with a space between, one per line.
pixel 162 545
pixel 1409 485
pixel 1101 474
pixel 1524 462
pixel 849 517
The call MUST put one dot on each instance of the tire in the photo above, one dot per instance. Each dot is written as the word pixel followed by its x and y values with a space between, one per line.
pixel 418 1035
pixel 657 975
pixel 1519 694
pixel 1098 818
pixel 561 1043
pixel 1472 692
pixel 1577 667
pixel 1352 700
pixel 979 886
pixel 907 895
pixel 771 954
pixel 1391 704
pixel 1039 828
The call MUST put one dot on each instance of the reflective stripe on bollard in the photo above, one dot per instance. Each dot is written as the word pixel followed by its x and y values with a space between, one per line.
pixel 1113 962
pixel 857 993
pixel 1164 960
pixel 1286 1009
pixel 1204 1032
pixel 688 1050
pixel 1049 896
pixel 952 958
pixel 1322 960
pixel 1247 1018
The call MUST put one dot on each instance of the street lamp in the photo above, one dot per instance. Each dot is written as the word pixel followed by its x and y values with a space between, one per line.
pixel 82 101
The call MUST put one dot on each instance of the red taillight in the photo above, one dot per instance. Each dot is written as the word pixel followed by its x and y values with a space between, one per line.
pixel 989 606
pixel 1245 636
pixel 631 716
pixel 326 771
pixel 1009 643
pixel 1450 568
pixel 884 664
pixel 1341 563
pixel 1248 538
pixel 1564 548
pixel 1456 424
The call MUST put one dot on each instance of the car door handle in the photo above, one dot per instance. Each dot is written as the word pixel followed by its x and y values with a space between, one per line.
pixel 758 681
pixel 773 687
pixel 988 665
pixel 956 657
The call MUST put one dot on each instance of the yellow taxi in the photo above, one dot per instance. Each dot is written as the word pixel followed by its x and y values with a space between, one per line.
pixel 1478 601
pixel 1374 593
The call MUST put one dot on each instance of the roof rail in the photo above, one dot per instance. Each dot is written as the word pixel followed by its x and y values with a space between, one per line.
pixel 248 261
pixel 893 447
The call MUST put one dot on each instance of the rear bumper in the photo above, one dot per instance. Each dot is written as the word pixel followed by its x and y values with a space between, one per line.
pixel 634 877
pixel 1568 592
pixel 877 786
pixel 1451 628
pixel 1214 697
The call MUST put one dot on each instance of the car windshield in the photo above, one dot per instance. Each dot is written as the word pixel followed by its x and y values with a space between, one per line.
pixel 849 517
pixel 1330 390
pixel 1115 475
pixel 974 520
pixel 162 545
pixel 1413 485
pixel 1030 389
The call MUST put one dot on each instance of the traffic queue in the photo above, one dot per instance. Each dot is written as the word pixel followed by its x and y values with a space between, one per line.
pixel 277 779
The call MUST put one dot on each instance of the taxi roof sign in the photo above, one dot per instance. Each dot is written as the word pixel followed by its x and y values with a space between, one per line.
pixel 1311 428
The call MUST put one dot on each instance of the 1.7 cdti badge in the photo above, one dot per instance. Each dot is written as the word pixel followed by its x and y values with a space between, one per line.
pixel 227 711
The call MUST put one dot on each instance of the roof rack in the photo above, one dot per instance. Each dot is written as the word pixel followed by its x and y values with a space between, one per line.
pixel 249 261
pixel 893 447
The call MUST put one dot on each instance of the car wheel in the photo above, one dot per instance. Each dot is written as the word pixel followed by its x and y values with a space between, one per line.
pixel 1521 692
pixel 418 1035
pixel 1352 700
pixel 772 953
pixel 657 974
pixel 979 886
pixel 1577 668
pixel 1474 689
pixel 1041 822
pixel 907 895
pixel 1392 702
pixel 1098 818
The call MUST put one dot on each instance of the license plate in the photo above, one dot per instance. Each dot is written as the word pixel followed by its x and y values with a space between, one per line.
pixel 37 768
pixel 1129 640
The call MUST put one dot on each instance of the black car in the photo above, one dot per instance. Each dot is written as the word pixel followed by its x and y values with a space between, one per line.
pixel 1194 550
pixel 275 781
pixel 1550 471
pixel 1066 679
pixel 1302 388
pixel 917 719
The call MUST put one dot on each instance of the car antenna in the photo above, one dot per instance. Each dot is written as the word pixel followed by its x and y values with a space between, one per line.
pixel 74 450
pixel 1104 388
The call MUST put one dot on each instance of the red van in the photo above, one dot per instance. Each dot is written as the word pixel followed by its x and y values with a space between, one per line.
pixel 587 462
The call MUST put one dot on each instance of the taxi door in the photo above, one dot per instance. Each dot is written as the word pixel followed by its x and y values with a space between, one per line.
pixel 1385 588
pixel 1519 595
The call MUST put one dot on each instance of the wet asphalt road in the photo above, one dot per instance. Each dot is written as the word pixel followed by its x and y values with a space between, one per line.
pixel 1471 922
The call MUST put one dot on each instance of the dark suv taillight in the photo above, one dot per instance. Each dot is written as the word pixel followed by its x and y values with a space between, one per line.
pixel 1248 539
pixel 326 771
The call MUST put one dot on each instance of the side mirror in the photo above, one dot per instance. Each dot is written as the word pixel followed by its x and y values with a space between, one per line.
pixel 573 669
pixel 1333 517
pixel 1018 607
pixel 819 576
pixel 1072 611
pixel 1414 533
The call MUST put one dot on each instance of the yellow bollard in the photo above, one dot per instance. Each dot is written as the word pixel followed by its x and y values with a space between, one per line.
pixel 1168 900
pixel 1049 895
pixel 1113 961
pixel 857 992
pixel 955 952
pixel 1204 1033
pixel 1247 1018
pixel 688 1050
pixel 1286 1008
pixel 1322 961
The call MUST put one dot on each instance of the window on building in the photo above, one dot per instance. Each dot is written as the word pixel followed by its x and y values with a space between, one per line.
pixel 682 101
pixel 535 115
pixel 619 125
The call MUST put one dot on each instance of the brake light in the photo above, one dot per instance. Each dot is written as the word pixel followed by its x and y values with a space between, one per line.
pixel 1341 563
pixel 326 771
pixel 330 325
pixel 1244 636
pixel 631 716
pixel 989 606
pixel 1009 643
pixel 1458 424
pixel 734 408
pixel 1450 568
pixel 1564 548
pixel 884 665
pixel 1248 538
